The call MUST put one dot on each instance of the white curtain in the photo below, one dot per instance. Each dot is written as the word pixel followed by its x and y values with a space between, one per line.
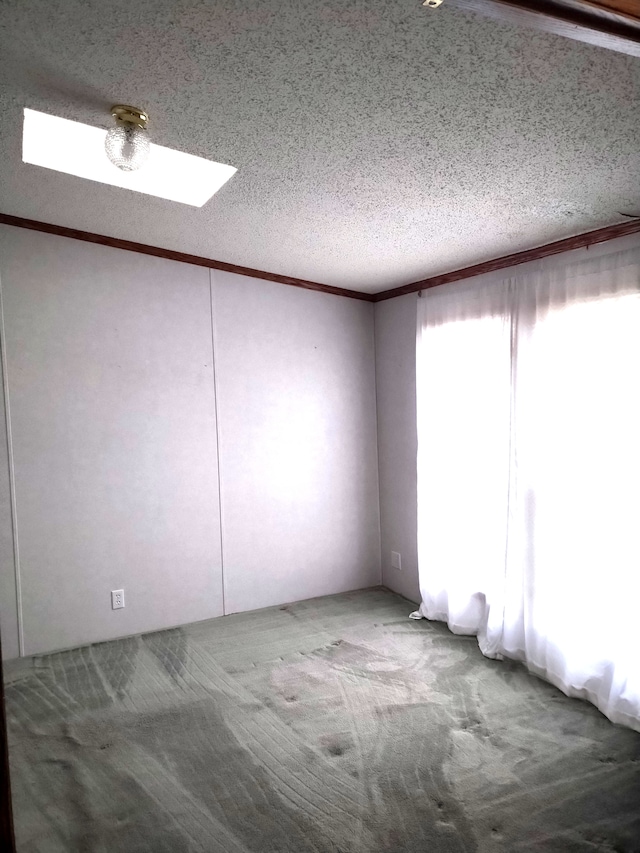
pixel 528 395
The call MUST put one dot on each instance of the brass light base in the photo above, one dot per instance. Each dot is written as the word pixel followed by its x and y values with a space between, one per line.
pixel 124 114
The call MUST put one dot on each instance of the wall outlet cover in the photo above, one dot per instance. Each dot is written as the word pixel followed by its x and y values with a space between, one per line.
pixel 117 599
pixel 396 560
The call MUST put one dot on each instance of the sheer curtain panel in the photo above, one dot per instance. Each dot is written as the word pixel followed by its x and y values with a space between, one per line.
pixel 529 471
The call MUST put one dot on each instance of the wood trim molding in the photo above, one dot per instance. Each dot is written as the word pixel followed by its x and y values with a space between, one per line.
pixel 625 7
pixel 601 235
pixel 7 841
pixel 614 24
pixel 171 255
pixel 590 238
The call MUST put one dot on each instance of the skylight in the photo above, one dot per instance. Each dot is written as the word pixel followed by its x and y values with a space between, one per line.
pixel 78 149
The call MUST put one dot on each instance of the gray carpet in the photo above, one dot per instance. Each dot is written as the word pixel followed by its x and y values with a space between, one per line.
pixel 330 725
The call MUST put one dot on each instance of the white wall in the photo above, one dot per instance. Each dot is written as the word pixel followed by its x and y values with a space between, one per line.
pixel 109 365
pixel 297 414
pixel 8 602
pixel 395 336
pixel 115 427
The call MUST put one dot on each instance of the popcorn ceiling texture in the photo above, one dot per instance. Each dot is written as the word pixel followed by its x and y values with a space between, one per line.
pixel 377 142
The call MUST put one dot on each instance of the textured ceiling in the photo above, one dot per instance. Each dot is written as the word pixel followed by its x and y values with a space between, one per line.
pixel 377 142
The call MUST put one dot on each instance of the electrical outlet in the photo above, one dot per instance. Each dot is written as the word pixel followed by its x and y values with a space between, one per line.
pixel 396 560
pixel 117 599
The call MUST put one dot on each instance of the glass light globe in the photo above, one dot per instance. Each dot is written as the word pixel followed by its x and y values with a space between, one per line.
pixel 127 146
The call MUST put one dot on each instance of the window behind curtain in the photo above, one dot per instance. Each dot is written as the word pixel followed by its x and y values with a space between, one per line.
pixel 529 473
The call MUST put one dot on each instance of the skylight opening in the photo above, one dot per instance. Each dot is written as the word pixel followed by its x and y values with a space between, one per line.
pixel 78 149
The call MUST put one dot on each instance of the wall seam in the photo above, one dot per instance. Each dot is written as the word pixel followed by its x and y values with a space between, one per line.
pixel 218 460
pixel 12 479
pixel 375 379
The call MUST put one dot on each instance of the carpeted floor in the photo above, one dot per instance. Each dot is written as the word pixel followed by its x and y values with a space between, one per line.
pixel 331 725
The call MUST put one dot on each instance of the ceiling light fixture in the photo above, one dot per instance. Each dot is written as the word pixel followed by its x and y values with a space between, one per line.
pixel 78 149
pixel 127 144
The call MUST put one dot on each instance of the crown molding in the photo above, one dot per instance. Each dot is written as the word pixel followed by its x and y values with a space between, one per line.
pixel 613 24
pixel 601 235
pixel 183 257
pixel 590 238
